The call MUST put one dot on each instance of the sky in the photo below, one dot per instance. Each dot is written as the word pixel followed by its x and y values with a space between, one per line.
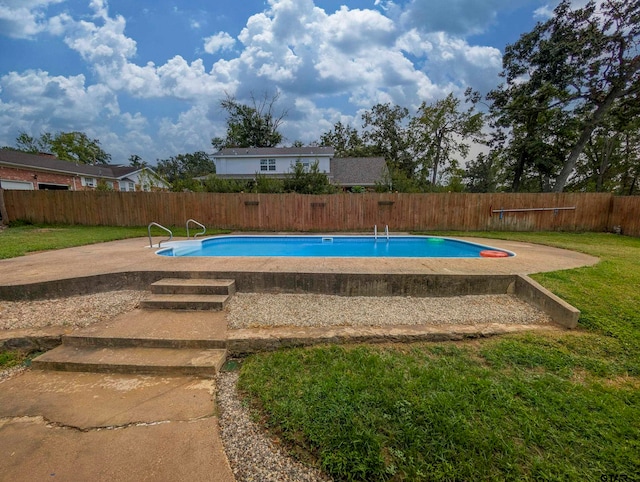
pixel 146 77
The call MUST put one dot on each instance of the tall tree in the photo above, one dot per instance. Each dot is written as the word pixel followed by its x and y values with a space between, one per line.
pixel 67 146
pixel 563 77
pixel 440 132
pixel 385 129
pixel 254 125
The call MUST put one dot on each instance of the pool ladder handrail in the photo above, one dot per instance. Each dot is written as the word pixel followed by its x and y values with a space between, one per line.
pixel 161 227
pixel 375 232
pixel 204 228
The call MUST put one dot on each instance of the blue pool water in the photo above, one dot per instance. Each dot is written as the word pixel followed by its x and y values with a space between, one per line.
pixel 328 247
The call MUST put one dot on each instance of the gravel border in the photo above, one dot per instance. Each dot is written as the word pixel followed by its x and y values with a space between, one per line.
pixel 259 310
pixel 75 311
pixel 252 455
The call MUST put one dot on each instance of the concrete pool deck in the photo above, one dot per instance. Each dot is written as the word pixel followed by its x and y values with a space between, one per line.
pixel 134 255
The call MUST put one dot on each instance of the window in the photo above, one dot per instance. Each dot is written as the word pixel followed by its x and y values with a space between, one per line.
pixel 267 164
pixel 127 186
pixel 89 181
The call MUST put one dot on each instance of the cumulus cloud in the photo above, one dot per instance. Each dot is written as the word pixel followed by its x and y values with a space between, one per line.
pixel 23 18
pixel 218 42
pixel 456 17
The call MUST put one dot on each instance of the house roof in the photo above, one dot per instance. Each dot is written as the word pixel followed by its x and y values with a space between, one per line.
pixel 275 151
pixel 358 171
pixel 48 162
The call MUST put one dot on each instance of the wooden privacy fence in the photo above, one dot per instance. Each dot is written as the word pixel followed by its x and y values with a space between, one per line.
pixel 335 212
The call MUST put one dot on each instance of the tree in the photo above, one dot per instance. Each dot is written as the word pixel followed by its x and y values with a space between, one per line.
pixel 181 170
pixel 310 181
pixel 254 125
pixel 346 142
pixel 439 132
pixel 386 132
pixel 563 77
pixel 481 174
pixel 136 161
pixel 67 146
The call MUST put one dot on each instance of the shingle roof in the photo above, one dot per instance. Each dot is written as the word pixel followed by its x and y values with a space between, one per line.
pixel 275 151
pixel 47 162
pixel 358 171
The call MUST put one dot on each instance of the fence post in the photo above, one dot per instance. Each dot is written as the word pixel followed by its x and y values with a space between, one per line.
pixel 4 216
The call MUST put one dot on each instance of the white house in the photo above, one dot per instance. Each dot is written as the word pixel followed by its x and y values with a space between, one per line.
pixel 245 163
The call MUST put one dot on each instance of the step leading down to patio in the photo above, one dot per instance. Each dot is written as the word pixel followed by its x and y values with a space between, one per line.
pixel 189 294
pixel 187 336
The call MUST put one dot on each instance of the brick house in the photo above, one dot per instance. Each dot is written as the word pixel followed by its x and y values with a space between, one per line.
pixel 24 171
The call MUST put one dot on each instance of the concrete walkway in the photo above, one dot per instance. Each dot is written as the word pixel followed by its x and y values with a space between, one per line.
pixel 84 426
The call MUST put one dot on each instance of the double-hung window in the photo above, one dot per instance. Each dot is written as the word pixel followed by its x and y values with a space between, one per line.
pixel 89 181
pixel 267 164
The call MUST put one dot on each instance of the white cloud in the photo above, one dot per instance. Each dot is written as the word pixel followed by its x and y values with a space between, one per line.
pixel 218 42
pixel 37 102
pixel 23 18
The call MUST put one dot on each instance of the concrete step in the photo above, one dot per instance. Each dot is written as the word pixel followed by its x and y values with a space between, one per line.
pixel 113 342
pixel 146 361
pixel 155 329
pixel 194 286
pixel 184 302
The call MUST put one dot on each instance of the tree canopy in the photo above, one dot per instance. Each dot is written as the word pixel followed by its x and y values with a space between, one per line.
pixel 181 170
pixel 67 146
pixel 562 80
pixel 254 125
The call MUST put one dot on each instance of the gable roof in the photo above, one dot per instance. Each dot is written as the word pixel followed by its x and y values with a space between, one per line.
pixel 275 151
pixel 358 171
pixel 48 162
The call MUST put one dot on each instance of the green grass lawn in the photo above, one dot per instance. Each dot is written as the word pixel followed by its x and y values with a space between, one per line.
pixel 523 407
pixel 20 240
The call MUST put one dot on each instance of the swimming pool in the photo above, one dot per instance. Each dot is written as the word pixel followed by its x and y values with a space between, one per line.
pixel 332 247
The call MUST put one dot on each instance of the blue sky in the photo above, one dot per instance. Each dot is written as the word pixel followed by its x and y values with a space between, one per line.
pixel 146 77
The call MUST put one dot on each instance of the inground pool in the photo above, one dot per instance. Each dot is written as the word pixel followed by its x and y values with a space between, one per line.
pixel 333 247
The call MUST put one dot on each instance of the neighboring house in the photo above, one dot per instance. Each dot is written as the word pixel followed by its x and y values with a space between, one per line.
pixel 24 171
pixel 245 163
pixel 366 172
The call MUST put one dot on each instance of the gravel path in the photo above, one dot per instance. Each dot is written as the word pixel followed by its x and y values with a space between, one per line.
pixel 253 310
pixel 78 311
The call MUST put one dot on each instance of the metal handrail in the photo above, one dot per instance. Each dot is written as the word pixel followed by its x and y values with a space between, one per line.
pixel 528 210
pixel 386 231
pixel 161 227
pixel 375 232
pixel 204 228
pixel 524 210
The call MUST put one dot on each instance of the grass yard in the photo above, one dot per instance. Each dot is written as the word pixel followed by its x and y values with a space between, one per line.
pixel 524 407
pixel 22 239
